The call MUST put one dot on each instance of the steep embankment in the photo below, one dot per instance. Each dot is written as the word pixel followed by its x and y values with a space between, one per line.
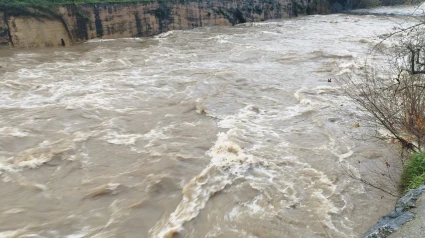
pixel 72 23
pixel 4 37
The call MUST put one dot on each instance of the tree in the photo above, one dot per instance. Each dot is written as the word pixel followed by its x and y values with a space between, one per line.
pixel 391 90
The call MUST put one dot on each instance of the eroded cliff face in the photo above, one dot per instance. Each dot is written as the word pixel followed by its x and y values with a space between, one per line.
pixel 31 32
pixel 79 23
pixel 4 38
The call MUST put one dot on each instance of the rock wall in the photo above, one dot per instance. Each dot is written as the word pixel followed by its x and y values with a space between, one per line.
pixel 32 32
pixel 4 37
pixel 71 23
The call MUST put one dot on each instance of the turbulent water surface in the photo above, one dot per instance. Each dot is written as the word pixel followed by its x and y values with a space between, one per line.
pixel 212 132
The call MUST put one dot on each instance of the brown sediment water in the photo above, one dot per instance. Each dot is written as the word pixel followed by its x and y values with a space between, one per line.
pixel 212 132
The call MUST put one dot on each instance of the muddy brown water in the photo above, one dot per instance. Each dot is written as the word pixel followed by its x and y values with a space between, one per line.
pixel 212 132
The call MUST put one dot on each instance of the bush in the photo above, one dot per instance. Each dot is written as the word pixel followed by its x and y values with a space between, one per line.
pixel 413 174
pixel 8 3
pixel 366 3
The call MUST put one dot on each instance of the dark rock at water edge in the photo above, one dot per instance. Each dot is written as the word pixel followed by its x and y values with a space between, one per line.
pixel 397 218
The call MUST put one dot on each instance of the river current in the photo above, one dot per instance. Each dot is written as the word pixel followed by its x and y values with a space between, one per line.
pixel 211 132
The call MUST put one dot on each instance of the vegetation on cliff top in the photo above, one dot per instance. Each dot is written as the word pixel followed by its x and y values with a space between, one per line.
pixel 59 2
pixel 337 4
pixel 51 3
pixel 299 6
pixel 62 2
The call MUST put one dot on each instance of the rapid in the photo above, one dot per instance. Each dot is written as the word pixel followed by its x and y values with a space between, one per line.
pixel 211 132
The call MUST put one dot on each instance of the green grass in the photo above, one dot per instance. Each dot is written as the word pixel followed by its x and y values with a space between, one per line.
pixel 61 2
pixel 413 174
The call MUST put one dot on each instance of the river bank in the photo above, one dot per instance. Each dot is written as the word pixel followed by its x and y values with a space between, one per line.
pixel 63 25
pixel 414 228
pixel 406 220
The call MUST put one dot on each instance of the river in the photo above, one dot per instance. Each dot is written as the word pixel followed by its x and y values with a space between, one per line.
pixel 211 132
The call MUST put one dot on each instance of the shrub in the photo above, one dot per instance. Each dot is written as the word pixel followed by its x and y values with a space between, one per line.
pixel 366 3
pixel 413 174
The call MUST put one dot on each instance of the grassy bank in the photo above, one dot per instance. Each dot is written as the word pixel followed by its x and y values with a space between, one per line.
pixel 413 175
